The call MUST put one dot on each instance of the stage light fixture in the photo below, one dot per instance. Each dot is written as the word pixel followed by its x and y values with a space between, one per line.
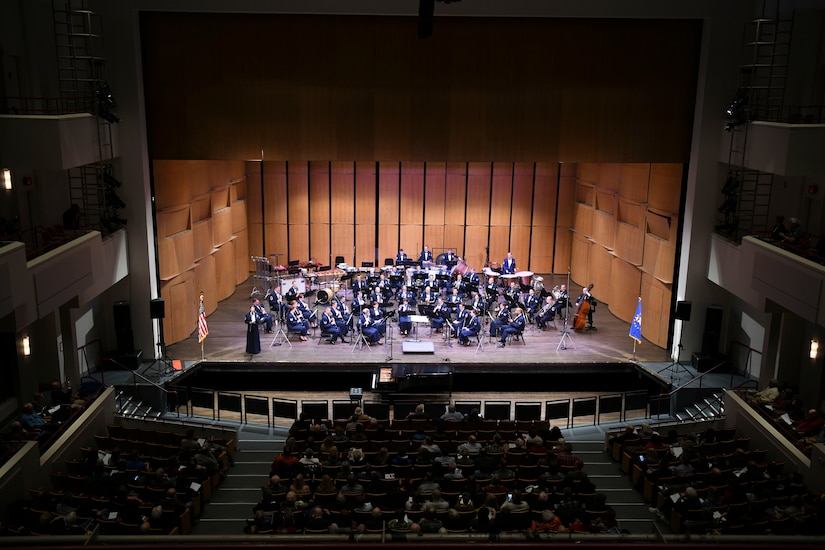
pixel 729 206
pixel 113 200
pixel 7 179
pixel 111 180
pixel 814 350
pixel 27 350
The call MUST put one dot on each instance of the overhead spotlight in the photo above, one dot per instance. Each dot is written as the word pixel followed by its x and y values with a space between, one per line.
pixel 111 180
pixel 729 206
pixel 112 199
pixel 104 96
pixel 731 183
pixel 6 177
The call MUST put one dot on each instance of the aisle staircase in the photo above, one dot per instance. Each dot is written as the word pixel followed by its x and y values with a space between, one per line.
pixel 231 505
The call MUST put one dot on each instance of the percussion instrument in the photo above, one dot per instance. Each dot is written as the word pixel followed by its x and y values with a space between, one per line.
pixel 324 296
pixel 526 277
pixel 461 267
pixel 509 278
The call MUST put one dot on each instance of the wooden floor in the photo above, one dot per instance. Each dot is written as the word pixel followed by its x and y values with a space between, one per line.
pixel 610 343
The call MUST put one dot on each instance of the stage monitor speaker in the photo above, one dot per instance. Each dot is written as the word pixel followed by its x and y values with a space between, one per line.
pixel 683 310
pixel 157 309
pixel 426 12
pixel 713 330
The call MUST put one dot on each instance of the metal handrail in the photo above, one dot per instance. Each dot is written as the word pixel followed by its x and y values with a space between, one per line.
pixel 751 351
pixel 136 375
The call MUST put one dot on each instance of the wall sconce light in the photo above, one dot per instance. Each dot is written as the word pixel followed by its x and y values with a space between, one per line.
pixel 814 349
pixel 27 350
pixel 7 179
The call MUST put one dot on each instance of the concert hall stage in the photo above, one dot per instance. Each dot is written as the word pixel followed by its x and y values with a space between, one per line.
pixel 541 350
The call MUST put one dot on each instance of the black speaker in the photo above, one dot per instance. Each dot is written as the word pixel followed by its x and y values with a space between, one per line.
pixel 683 310
pixel 123 327
pixel 157 309
pixel 713 330
pixel 426 11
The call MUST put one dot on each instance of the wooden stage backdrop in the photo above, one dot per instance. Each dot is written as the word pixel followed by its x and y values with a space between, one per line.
pixel 601 220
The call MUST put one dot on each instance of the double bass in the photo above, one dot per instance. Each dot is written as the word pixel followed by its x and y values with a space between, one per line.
pixel 584 305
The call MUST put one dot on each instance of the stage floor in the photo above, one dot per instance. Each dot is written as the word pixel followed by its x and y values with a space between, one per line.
pixel 610 343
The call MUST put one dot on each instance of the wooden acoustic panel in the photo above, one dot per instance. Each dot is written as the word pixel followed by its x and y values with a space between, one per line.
pixel 297 192
pixel 588 172
pixel 522 209
pixel 365 199
pixel 455 238
pixel 520 246
pixel 499 242
pixel 177 181
pixel 455 211
pixel 665 187
pixel 224 171
pixel 275 194
pixel 656 299
pixel 342 242
pixel 434 193
pixel 583 219
pixel 604 229
pixel 221 226
pixel 220 198
pixel 364 244
pixel 277 242
pixel 319 242
pixel 201 207
pixel 319 192
pixel 388 193
pixel 177 295
pixel 205 282
pixel 256 239
pixel 566 210
pixel 202 239
pixel 478 193
pixel 579 258
pixel 625 285
pixel 501 194
pixel 387 242
pixel 173 220
pixel 635 179
pixel 342 195
pixel 629 243
pixel 476 240
pixel 176 254
pixel 541 249
pixel 412 193
pixel 410 240
pixel 600 262
pixel 433 237
pixel 239 216
pixel 225 270
pixel 609 176
pixel 243 267
pixel 298 242
pixel 562 252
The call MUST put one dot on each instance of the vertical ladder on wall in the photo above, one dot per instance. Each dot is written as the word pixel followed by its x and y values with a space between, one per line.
pixel 764 69
pixel 81 71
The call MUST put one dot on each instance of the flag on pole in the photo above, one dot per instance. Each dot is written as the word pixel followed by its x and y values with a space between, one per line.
pixel 636 324
pixel 203 330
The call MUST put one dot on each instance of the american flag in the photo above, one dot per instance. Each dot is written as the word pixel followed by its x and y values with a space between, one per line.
pixel 203 330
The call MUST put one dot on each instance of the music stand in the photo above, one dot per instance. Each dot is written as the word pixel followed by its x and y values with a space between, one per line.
pixel 566 339
pixel 360 339
pixel 279 332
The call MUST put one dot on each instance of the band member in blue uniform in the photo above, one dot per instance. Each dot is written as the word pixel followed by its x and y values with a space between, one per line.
pixel 531 302
pixel 516 326
pixel 305 311
pixel 253 338
pixel 461 317
pixel 509 265
pixel 263 315
pixel 406 294
pixel 404 321
pixel 401 257
pixel 426 255
pixel 478 303
pixel 296 322
pixel 378 317
pixel 342 317
pixel 546 313
pixel 562 300
pixel 359 285
pixel 440 313
pixel 470 329
pixel 502 318
pixel 367 324
pixel 329 326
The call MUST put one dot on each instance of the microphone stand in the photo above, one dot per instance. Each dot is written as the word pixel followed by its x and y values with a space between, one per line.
pixel 566 339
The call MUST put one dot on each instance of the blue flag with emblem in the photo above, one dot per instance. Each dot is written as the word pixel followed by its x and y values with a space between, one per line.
pixel 636 324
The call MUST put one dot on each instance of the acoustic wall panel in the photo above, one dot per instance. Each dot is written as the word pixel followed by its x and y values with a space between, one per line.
pixel 434 201
pixel 656 297
pixel 665 187
pixel 224 270
pixel 297 192
pixel 319 192
pixel 523 195
pixel 579 258
pixel 412 193
pixel 455 196
pixel 625 285
pixel 342 193
pixel 635 179
pixel 501 194
pixel 478 193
